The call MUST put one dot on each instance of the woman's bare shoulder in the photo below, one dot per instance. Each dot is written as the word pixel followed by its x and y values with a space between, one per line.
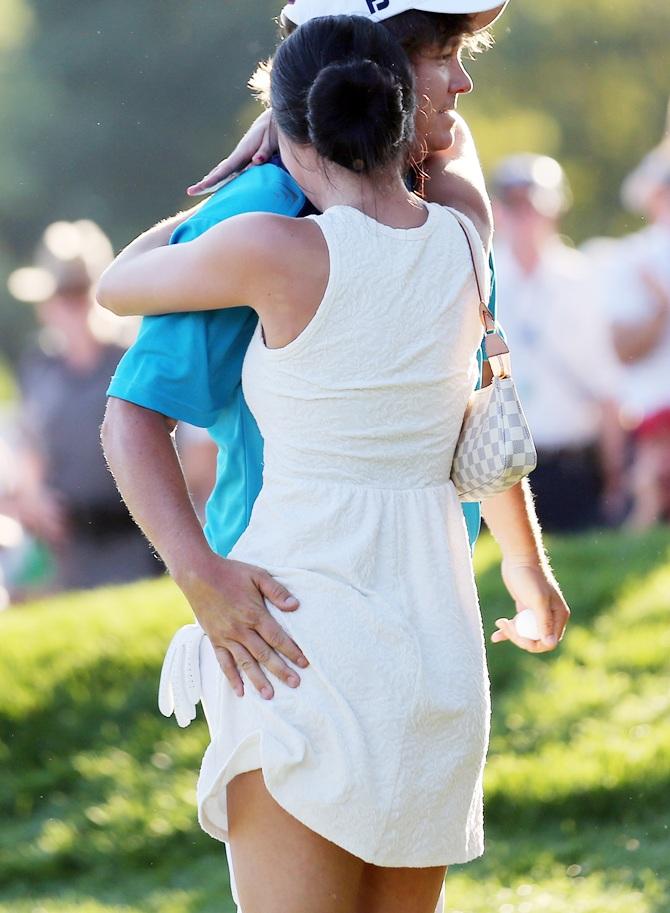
pixel 283 262
pixel 277 238
pixel 269 226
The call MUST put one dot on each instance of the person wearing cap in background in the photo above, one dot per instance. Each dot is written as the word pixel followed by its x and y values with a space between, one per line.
pixel 64 495
pixel 564 365
pixel 638 289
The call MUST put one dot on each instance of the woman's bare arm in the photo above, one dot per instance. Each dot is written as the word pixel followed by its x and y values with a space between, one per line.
pixel 526 572
pixel 225 267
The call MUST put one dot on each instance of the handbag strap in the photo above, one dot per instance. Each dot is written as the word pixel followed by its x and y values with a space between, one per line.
pixel 497 350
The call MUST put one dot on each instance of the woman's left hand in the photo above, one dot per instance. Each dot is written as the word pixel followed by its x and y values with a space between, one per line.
pixel 256 147
pixel 532 586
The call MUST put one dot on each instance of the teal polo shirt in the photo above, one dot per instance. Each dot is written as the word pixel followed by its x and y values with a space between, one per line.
pixel 188 366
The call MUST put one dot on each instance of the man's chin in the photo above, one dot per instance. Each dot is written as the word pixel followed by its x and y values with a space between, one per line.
pixel 438 141
pixel 441 140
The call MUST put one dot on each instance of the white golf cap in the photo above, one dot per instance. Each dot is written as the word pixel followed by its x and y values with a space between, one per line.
pixel 300 11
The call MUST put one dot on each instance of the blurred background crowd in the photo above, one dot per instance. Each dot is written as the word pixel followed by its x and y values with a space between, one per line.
pixel 580 178
pixel 62 523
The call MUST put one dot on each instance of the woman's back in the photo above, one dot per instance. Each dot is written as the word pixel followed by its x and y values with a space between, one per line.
pixel 373 391
pixel 357 517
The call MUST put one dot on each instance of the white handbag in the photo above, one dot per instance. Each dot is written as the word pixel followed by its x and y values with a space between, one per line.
pixel 495 448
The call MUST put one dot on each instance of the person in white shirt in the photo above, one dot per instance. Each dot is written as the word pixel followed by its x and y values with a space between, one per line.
pixel 563 363
pixel 639 291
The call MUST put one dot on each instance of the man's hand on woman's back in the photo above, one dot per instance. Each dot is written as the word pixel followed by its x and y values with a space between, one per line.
pixel 228 598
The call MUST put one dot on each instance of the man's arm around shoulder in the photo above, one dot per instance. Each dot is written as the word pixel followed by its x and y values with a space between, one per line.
pixel 226 596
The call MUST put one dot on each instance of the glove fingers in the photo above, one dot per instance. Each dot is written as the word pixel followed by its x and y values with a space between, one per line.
pixel 192 678
pixel 180 684
pixel 184 708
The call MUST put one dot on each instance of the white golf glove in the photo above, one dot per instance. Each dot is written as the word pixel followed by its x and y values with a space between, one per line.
pixel 179 690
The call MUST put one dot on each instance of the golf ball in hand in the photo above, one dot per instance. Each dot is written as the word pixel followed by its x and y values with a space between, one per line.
pixel 526 625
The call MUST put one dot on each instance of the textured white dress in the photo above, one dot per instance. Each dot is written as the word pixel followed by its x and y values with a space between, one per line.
pixel 381 749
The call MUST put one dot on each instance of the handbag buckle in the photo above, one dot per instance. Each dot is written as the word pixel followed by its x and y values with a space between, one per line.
pixel 498 355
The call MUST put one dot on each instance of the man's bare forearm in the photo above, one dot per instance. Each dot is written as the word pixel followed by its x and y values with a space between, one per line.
pixel 454 177
pixel 227 597
pixel 141 455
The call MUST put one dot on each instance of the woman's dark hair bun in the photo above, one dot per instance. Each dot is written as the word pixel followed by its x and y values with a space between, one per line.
pixel 356 114
pixel 345 85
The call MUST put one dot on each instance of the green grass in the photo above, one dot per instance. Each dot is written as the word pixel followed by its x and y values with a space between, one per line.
pixel 97 789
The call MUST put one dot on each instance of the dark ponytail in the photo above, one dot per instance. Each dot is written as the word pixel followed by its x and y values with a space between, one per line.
pixel 346 86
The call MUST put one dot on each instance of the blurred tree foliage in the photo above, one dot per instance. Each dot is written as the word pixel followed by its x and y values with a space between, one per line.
pixel 110 109
pixel 585 82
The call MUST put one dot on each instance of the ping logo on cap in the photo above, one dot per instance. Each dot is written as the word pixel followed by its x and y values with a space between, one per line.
pixel 376 6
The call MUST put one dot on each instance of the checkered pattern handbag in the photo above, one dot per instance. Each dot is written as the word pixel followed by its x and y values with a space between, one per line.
pixel 495 448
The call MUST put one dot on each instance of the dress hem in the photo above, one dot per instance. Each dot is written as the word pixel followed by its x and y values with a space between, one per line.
pixel 254 744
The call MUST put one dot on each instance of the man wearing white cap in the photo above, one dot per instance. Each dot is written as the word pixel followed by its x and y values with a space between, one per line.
pixel 259 144
pixel 638 285
pixel 188 366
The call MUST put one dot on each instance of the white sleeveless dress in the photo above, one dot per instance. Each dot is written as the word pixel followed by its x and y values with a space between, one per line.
pixel 382 747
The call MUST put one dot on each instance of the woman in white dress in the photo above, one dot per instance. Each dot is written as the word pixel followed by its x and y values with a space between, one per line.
pixel 353 792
